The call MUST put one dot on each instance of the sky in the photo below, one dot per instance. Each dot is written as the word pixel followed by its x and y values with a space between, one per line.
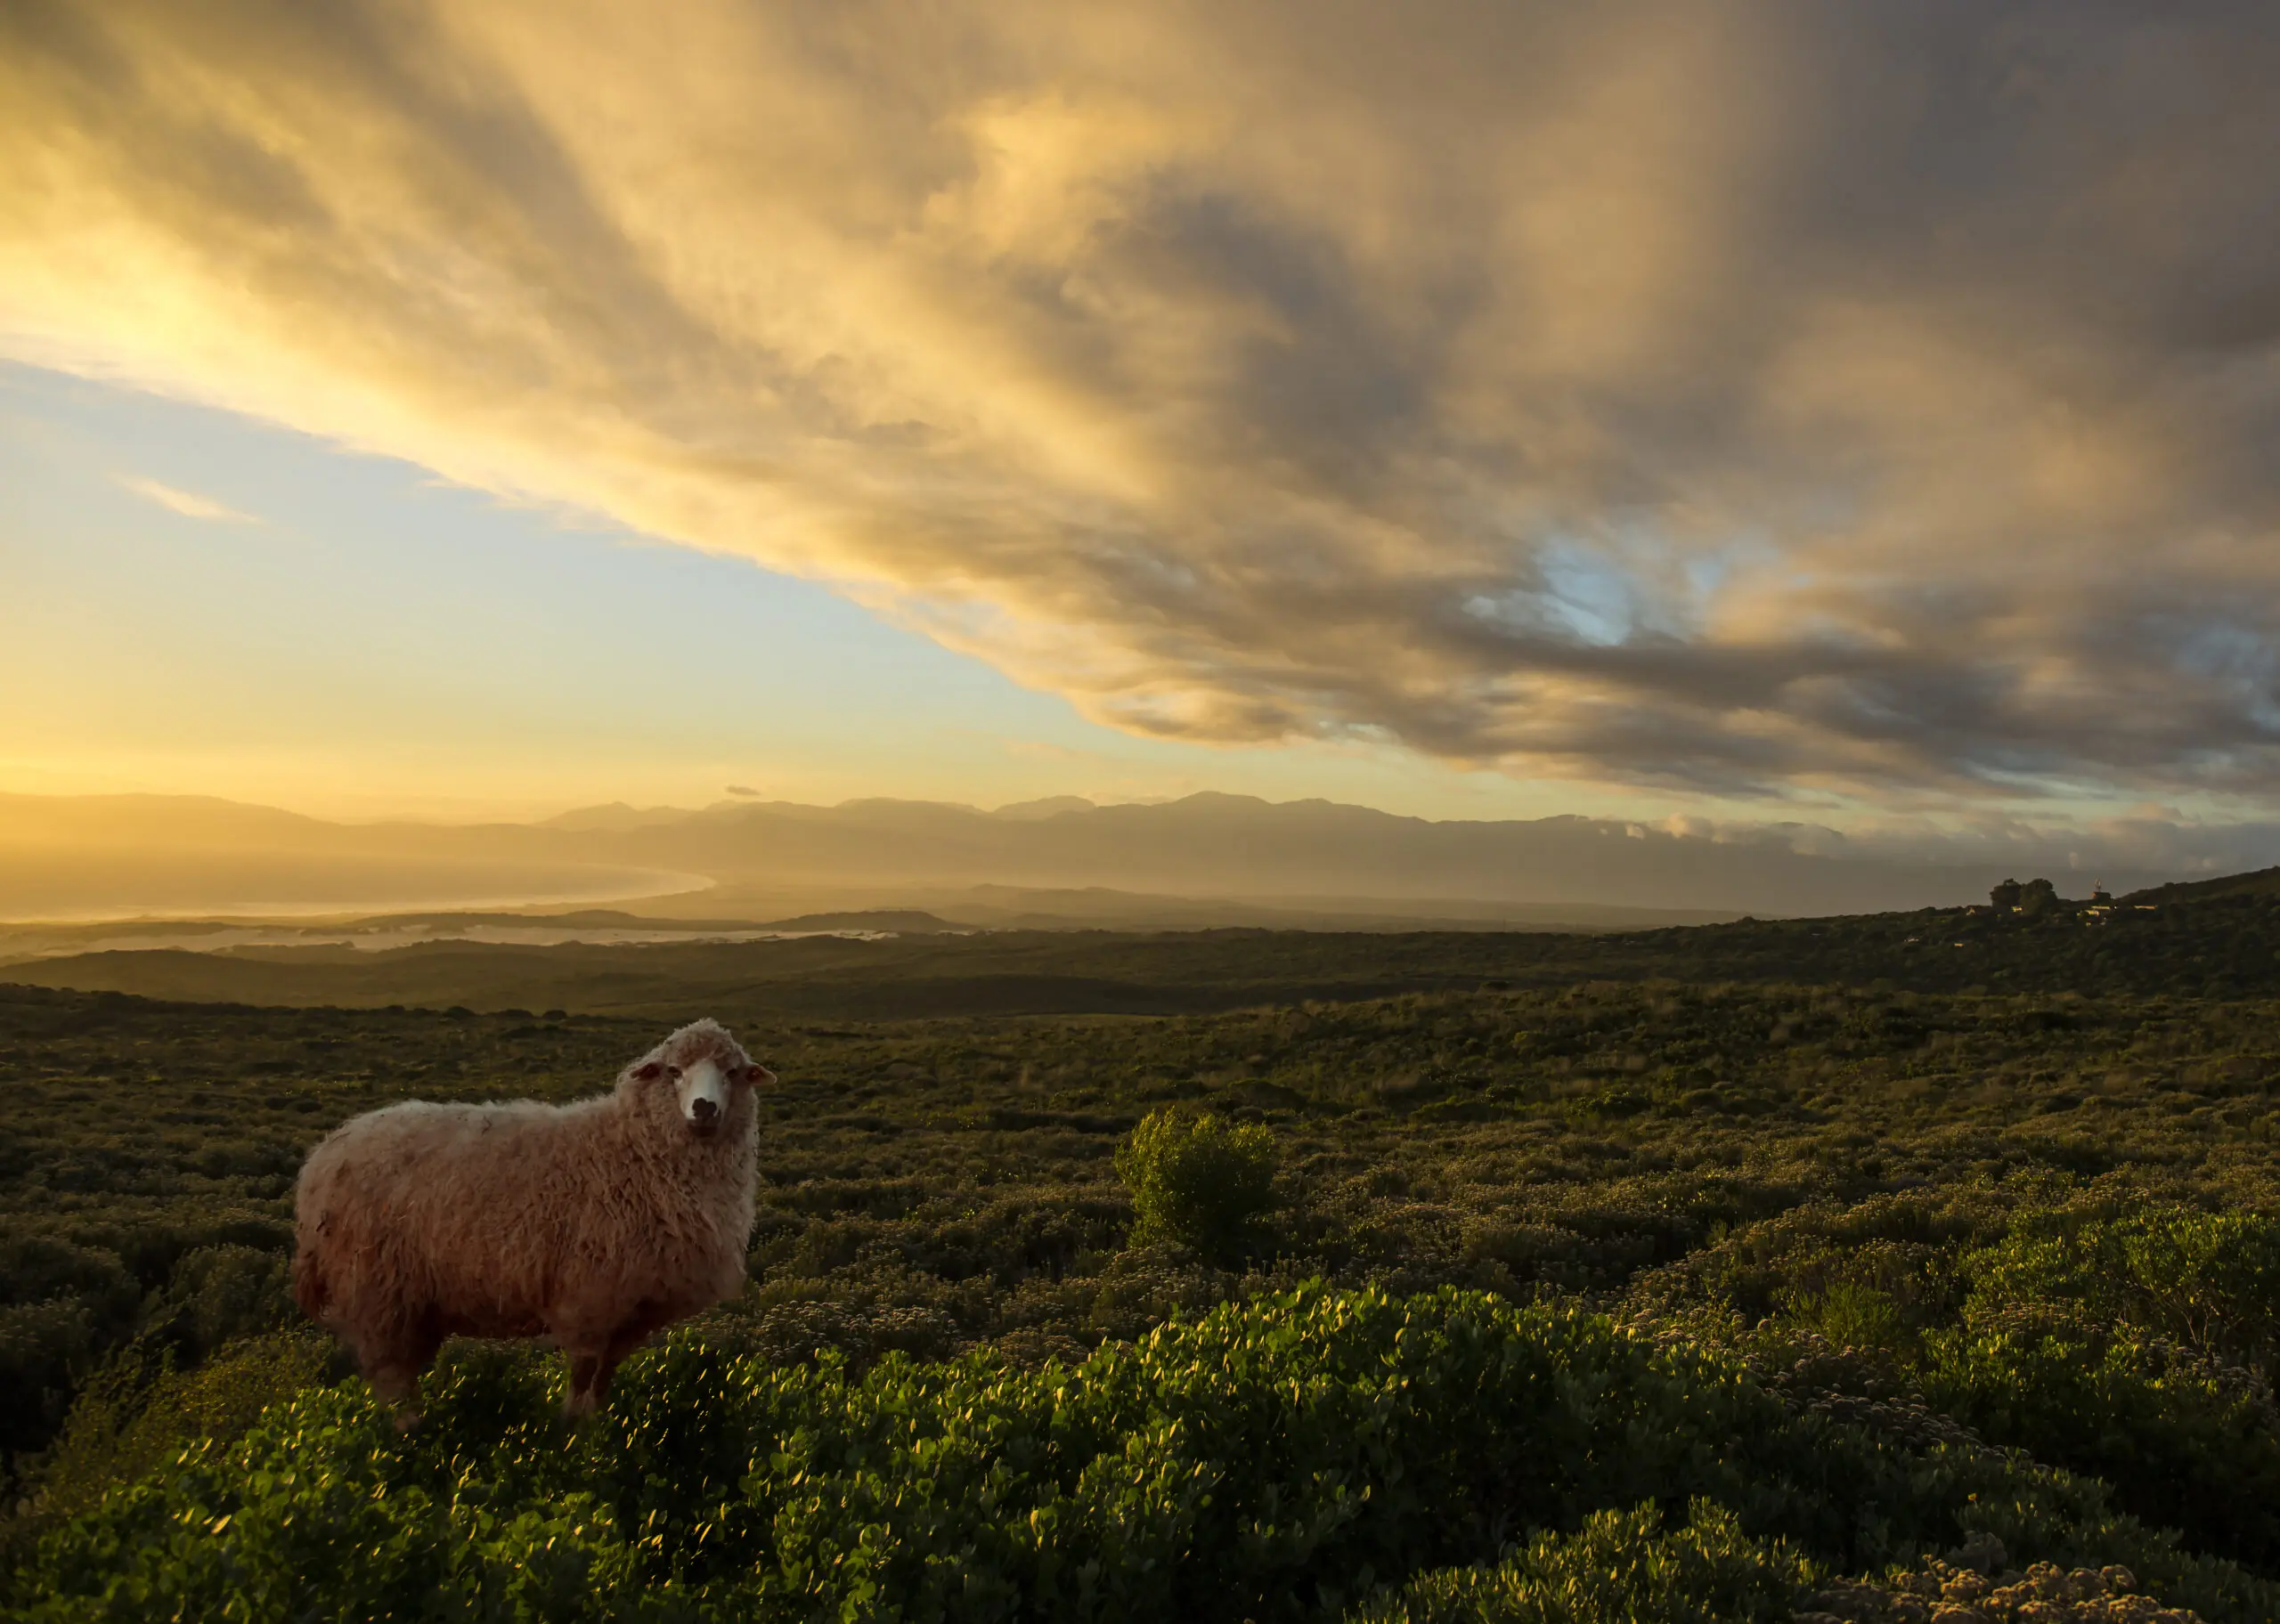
pixel 1867 415
pixel 200 602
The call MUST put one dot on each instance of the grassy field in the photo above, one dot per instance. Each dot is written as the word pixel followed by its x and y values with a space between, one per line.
pixel 1930 1202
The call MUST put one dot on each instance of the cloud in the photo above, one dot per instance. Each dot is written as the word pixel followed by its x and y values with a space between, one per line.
pixel 187 503
pixel 2146 842
pixel 1875 400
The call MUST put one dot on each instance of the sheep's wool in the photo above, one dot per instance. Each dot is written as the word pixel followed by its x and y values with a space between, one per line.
pixel 593 1224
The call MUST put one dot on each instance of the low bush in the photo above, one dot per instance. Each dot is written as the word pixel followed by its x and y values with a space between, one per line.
pixel 1199 1182
pixel 2211 1280
pixel 138 1412
pixel 2183 1440
pixel 1975 1589
pixel 1622 1568
pixel 1280 1458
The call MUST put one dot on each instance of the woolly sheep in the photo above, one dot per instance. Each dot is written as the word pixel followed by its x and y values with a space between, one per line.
pixel 593 1224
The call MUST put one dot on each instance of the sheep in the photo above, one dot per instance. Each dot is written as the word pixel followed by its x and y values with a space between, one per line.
pixel 592 1224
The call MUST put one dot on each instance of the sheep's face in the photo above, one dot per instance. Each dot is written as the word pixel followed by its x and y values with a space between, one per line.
pixel 706 1088
pixel 702 1074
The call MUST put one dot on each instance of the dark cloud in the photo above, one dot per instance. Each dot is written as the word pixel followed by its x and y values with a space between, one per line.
pixel 1880 398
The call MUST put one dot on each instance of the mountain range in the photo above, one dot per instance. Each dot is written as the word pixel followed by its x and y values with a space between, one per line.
pixel 1208 858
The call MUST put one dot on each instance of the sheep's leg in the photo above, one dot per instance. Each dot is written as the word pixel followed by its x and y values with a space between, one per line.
pixel 396 1381
pixel 585 1372
pixel 589 1373
pixel 606 1367
pixel 394 1369
pixel 628 1337
pixel 590 1379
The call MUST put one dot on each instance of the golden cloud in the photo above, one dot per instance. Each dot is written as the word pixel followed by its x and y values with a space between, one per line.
pixel 189 504
pixel 1847 396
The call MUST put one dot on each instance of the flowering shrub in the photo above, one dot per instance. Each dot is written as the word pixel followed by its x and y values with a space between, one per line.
pixel 1622 1568
pixel 1960 1593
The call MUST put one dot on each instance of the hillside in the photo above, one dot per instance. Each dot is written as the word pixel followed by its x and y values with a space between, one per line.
pixel 2264 883
pixel 2222 943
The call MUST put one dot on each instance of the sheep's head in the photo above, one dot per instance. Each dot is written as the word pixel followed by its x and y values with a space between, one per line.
pixel 708 1073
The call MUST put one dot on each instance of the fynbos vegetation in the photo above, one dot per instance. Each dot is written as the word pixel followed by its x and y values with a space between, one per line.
pixel 1201 1182
pixel 1635 1297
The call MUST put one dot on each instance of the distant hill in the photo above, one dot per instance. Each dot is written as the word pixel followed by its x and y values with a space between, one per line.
pixel 1291 854
pixel 901 921
pixel 90 857
pixel 2221 944
pixel 616 818
pixel 114 856
pixel 977 907
pixel 1279 853
pixel 1101 908
pixel 2262 882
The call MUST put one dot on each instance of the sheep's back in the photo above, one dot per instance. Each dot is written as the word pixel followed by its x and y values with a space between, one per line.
pixel 472 1205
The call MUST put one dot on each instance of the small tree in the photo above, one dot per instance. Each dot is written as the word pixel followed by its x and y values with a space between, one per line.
pixel 2005 896
pixel 1198 1181
pixel 2038 897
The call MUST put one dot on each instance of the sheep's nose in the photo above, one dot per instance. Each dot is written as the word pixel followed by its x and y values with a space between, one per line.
pixel 703 1111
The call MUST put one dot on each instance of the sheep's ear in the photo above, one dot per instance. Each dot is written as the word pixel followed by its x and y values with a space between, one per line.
pixel 651 1070
pixel 759 1075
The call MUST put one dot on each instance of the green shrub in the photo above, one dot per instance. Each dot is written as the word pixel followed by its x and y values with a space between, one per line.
pixel 1622 1568
pixel 1274 1459
pixel 217 1295
pixel 2212 1280
pixel 130 1420
pixel 62 1307
pixel 1852 1315
pixel 1198 1181
pixel 2183 1440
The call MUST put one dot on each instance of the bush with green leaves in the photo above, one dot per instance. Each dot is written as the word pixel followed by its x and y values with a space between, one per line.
pixel 2183 1439
pixel 1620 1568
pixel 2115 1336
pixel 138 1411
pixel 2209 1280
pixel 1198 1181
pixel 1281 1459
pixel 2139 1343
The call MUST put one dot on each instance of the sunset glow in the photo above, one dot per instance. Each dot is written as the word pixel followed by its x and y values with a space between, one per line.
pixel 1857 414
